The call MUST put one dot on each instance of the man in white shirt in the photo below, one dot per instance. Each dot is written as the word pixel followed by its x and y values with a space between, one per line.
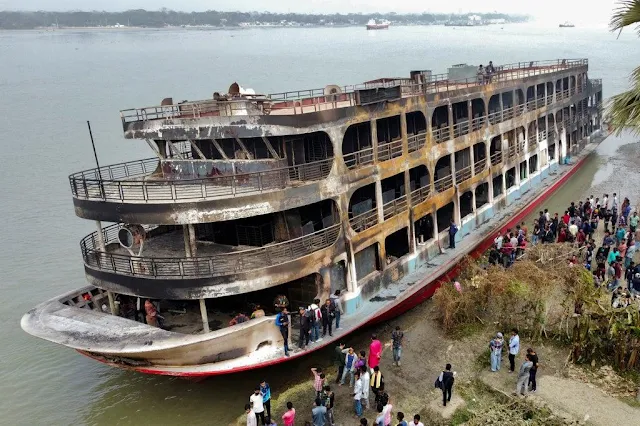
pixel 366 386
pixel 357 394
pixel 256 400
pixel 416 420
pixel 498 242
pixel 252 420
pixel 386 411
pixel 514 348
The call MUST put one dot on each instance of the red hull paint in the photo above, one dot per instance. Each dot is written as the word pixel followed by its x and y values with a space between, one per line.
pixel 417 298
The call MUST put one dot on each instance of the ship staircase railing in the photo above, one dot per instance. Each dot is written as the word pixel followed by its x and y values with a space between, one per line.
pixel 417 141
pixel 205 266
pixel 389 150
pixel 463 174
pixel 135 182
pixel 419 195
pixel 358 158
pixel 394 207
pixel 443 183
pixel 364 220
pixel 479 166
pixel 496 158
pixel 315 100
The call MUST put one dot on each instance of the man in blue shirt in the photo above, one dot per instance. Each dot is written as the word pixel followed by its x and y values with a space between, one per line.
pixel 265 389
pixel 514 348
pixel 318 413
pixel 453 230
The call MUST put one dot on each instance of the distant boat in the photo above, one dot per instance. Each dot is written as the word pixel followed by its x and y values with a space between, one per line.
pixel 375 25
pixel 566 24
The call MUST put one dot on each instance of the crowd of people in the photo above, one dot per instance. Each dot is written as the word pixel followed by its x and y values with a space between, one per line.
pixel 526 378
pixel 611 262
pixel 362 374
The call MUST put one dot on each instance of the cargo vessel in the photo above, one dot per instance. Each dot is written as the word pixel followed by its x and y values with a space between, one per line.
pixel 377 25
pixel 250 197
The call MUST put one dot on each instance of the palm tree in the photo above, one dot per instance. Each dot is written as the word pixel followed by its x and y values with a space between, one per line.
pixel 623 110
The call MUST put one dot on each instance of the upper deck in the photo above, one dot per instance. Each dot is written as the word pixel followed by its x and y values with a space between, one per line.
pixel 138 121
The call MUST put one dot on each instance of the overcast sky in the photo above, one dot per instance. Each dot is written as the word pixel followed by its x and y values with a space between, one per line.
pixel 578 11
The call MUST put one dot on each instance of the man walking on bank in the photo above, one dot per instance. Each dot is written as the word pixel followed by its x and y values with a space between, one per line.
pixel 396 338
pixel 514 349
pixel 446 380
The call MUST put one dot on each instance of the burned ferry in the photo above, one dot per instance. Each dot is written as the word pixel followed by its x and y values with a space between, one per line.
pixel 352 188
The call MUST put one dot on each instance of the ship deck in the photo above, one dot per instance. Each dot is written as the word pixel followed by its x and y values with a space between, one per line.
pixel 94 332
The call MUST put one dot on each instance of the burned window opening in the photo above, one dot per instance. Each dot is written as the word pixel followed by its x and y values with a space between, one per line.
pixel 424 228
pixel 463 165
pixel 396 245
pixel 520 97
pixel 388 129
pixel 367 261
pixel 466 204
pixel 523 170
pixel 356 138
pixel 510 177
pixel 497 185
pixel 533 164
pixel 494 109
pixel 443 178
pixel 482 194
pixel 416 123
pixel 440 123
pixel 507 100
pixel 444 216
pixel 363 212
pixel 392 187
pixel 552 152
pixel 419 177
pixel 531 94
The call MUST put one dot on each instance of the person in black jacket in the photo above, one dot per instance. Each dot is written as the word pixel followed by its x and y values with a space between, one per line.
pixel 446 379
pixel 305 328
pixel 326 318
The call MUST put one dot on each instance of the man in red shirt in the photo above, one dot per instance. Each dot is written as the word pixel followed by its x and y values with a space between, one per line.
pixel 566 217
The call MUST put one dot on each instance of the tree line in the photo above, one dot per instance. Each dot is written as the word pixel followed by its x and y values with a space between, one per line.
pixel 164 18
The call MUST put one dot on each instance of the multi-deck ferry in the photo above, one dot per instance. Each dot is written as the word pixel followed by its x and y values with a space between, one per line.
pixel 248 197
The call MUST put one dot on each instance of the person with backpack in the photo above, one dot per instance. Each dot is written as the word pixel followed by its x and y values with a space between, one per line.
pixel 305 328
pixel 446 379
pixel 282 322
pixel 327 319
pixel 336 307
pixel 315 317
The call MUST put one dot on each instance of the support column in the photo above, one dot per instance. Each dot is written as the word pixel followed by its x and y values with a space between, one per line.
pixel 205 316
pixel 470 115
pixel 192 241
pixel 187 241
pixel 352 279
pixel 450 118
pixel 374 139
pixel 472 160
pixel 403 133
pixel 101 248
pixel 490 189
pixel 379 202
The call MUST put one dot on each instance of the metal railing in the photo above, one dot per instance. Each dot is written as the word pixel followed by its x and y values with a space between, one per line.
pixel 389 150
pixel 495 117
pixel 461 128
pixel 205 266
pixel 463 174
pixel 542 135
pixel 512 151
pixel 394 207
pixel 549 99
pixel 531 105
pixel 478 122
pixel 443 184
pixel 479 166
pixel 419 195
pixel 532 138
pixel 496 158
pixel 314 100
pixel 131 182
pixel 441 135
pixel 416 142
pixel 364 220
pixel 358 158
pixel 520 145
pixel 519 109
pixel 508 113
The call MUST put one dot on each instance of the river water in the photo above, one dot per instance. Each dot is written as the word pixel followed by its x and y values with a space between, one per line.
pixel 52 82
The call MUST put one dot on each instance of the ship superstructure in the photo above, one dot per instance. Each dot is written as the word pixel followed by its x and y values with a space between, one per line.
pixel 353 188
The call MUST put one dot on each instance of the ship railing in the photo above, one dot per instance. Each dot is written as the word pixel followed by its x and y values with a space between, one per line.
pixel 494 117
pixel 565 94
pixel 461 128
pixel 389 150
pixel 572 91
pixel 359 158
pixel 442 134
pixel 479 166
pixel 519 109
pixel 542 135
pixel 364 220
pixel 394 207
pixel 508 113
pixel 205 266
pixel 549 100
pixel 313 100
pixel 496 158
pixel 512 151
pixel 142 187
pixel 521 145
pixel 540 102
pixel 416 142
pixel 532 138
pixel 463 174
pixel 559 96
pixel 443 184
pixel 478 122
pixel 531 105
pixel 551 135
pixel 419 195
